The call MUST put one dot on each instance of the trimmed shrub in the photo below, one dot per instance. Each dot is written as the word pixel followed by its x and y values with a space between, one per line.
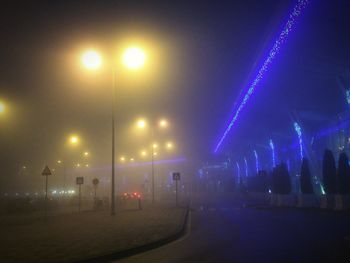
pixel 343 174
pixel 329 172
pixel 281 183
pixel 305 178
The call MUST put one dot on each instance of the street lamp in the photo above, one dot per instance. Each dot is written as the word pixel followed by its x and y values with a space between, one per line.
pixel 161 124
pixel 169 145
pixel 91 60
pixel 2 107
pixel 74 140
pixel 133 58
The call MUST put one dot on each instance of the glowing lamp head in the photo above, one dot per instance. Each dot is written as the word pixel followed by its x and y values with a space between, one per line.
pixel 74 140
pixel 155 145
pixel 134 58
pixel 143 153
pixel 59 161
pixel 91 60
pixel 122 158
pixel 163 123
pixel 86 153
pixel 141 124
pixel 2 107
pixel 169 145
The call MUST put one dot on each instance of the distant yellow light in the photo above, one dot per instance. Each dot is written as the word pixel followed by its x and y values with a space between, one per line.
pixel 155 145
pixel 155 154
pixel 163 123
pixel 141 124
pixel 78 164
pixel 134 58
pixel 2 107
pixel 122 158
pixel 169 145
pixel 74 139
pixel 86 153
pixel 91 60
pixel 132 159
pixel 86 165
pixel 59 161
pixel 143 153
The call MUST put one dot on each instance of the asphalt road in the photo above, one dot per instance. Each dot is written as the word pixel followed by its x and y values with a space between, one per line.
pixel 224 229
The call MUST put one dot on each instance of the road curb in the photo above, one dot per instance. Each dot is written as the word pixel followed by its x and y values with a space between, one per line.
pixel 140 249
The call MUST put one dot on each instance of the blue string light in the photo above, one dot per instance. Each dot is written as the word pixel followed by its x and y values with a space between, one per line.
pixel 296 12
pixel 272 146
pixel 246 167
pixel 256 161
pixel 297 128
pixel 238 169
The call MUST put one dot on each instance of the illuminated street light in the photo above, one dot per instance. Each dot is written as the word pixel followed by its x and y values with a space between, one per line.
pixel 132 159
pixel 143 153
pixel 134 58
pixel 91 60
pixel 160 124
pixel 2 107
pixel 87 165
pixel 59 161
pixel 155 154
pixel 86 154
pixel 74 140
pixel 122 158
pixel 169 145
pixel 141 124
pixel 163 123
pixel 78 164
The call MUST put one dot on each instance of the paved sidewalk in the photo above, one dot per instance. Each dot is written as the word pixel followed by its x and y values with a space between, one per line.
pixel 72 237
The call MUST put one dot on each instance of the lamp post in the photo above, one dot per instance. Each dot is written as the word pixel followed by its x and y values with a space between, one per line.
pixel 133 58
pixel 162 124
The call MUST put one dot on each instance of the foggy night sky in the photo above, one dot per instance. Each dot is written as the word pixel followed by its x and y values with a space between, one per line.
pixel 201 57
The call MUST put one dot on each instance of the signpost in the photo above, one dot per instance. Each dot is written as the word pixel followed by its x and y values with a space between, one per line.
pixel 95 182
pixel 80 181
pixel 176 178
pixel 46 172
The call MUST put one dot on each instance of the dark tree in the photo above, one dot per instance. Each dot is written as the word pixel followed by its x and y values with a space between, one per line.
pixel 343 175
pixel 329 173
pixel 305 178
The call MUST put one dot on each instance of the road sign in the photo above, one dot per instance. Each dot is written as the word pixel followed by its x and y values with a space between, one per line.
pixel 46 171
pixel 80 180
pixel 95 182
pixel 176 176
